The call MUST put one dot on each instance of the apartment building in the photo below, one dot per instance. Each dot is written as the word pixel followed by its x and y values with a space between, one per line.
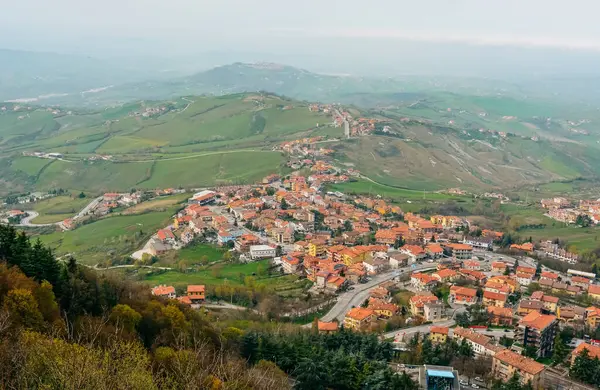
pixel 506 363
pixel 538 330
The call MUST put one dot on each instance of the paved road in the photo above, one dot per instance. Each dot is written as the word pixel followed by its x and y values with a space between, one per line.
pixel 89 207
pixel 34 214
pixel 361 292
pixel 407 333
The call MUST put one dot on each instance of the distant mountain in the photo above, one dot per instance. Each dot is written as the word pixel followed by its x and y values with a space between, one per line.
pixel 240 77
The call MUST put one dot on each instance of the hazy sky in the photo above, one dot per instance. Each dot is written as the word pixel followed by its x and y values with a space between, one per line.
pixel 245 23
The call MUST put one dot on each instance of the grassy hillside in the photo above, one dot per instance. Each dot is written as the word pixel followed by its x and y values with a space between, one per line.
pixel 437 140
pixel 108 238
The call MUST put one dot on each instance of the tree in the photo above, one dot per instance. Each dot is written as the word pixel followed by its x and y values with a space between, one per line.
pixel 560 350
pixel 530 351
pixel 81 195
pixel 23 309
pixel 47 302
pixel 465 349
pixel 278 251
pixel 284 204
pixel 310 376
pixel 585 368
pixel 348 225
pixel 538 269
pixel 270 191
pixel 216 271
pixel 125 316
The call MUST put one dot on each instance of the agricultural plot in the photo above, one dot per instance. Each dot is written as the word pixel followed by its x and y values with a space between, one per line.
pixel 111 237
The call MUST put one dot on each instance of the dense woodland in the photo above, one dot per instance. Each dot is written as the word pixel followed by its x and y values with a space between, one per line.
pixel 64 326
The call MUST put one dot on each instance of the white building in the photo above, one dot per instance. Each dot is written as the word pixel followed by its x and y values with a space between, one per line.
pixel 261 252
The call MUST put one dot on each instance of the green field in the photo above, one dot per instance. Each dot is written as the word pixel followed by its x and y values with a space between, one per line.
pixel 396 194
pixel 214 168
pixel 230 273
pixel 29 165
pixel 58 208
pixel 196 253
pixel 108 238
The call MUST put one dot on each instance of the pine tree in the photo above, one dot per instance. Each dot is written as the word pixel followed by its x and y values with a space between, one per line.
pixel 560 350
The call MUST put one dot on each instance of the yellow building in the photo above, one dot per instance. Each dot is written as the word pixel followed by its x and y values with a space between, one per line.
pixel 594 292
pixel 592 317
pixel 351 256
pixel 506 363
pixel 438 334
pixel 357 318
pixel 316 248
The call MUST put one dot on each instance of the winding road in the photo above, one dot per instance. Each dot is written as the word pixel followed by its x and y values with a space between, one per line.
pixel 31 215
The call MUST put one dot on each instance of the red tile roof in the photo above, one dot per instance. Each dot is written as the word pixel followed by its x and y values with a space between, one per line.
pixel 522 363
pixel 537 320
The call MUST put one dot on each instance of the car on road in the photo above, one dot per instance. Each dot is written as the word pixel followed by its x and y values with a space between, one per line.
pixel 463 383
pixel 478 379
pixel 473 385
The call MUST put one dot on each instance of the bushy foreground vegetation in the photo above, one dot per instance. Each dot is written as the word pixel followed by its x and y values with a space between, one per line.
pixel 64 326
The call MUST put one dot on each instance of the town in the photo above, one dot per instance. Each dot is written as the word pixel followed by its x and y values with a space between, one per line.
pixel 456 284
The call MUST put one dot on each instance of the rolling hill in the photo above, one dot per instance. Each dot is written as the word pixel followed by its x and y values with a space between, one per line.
pixel 422 142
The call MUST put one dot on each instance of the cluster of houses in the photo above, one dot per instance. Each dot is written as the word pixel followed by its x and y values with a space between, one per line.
pixel 536 319
pixel 194 296
pixel 564 210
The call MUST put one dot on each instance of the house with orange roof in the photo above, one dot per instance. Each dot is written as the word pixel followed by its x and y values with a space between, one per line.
pixel 476 276
pixel 524 278
pixel 417 303
pixel 386 237
pixel 537 330
pixel 434 251
pixel 459 251
pixel 481 344
pixel 382 308
pixel 181 221
pixel 358 318
pixel 508 281
pixel 500 316
pixel 335 283
pixel 491 233
pixel 445 275
pixel 356 273
pixel 593 351
pixel 165 235
pixel 550 276
pixel 499 266
pixel 380 292
pixel 291 264
pixel 423 282
pixel 327 327
pixel 506 363
pixel 581 281
pixel 494 286
pixel 463 295
pixel 494 299
pixel 438 334
pixel 594 292
pixel 352 256
pixel 549 303
pixel 316 247
pixel 243 242
pixel 592 317
pixel 164 291
pixel 472 265
pixel 526 247
pixel 415 252
pixel 196 293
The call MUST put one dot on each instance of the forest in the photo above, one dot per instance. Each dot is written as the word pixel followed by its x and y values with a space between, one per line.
pixel 65 326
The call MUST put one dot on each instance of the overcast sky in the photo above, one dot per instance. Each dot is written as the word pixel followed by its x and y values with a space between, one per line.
pixel 227 23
